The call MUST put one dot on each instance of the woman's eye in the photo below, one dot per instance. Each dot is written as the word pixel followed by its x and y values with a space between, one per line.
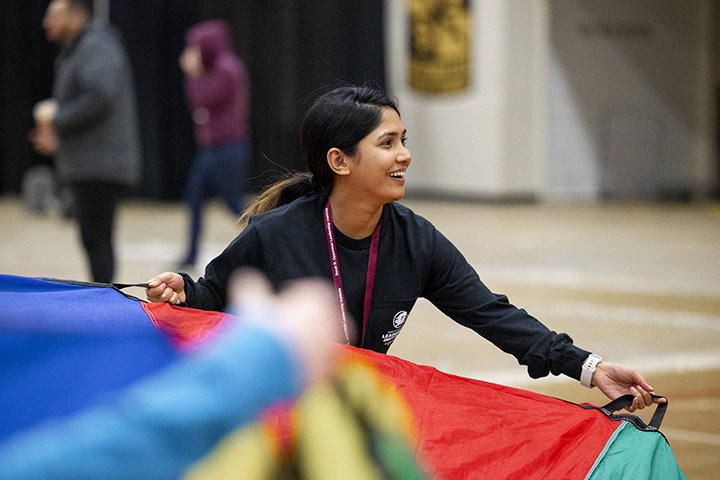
pixel 403 140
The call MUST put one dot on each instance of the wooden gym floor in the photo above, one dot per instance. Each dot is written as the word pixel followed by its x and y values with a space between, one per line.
pixel 637 283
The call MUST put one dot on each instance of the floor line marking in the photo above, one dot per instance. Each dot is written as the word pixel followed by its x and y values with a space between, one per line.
pixel 682 435
pixel 636 315
pixel 572 277
pixel 648 365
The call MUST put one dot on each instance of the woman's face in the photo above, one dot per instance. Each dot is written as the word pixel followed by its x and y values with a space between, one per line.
pixel 377 169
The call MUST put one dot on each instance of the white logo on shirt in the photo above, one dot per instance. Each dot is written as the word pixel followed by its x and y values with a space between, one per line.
pixel 399 318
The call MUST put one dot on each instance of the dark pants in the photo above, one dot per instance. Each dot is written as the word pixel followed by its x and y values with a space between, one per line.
pixel 95 205
pixel 217 171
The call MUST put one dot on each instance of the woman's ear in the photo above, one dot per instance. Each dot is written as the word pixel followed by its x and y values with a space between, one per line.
pixel 337 161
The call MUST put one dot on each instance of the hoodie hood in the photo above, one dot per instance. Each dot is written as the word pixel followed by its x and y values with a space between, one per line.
pixel 213 38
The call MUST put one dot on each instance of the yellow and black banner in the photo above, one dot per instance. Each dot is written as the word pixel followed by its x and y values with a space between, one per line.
pixel 440 40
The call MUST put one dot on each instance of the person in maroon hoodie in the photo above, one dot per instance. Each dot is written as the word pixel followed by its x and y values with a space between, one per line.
pixel 218 94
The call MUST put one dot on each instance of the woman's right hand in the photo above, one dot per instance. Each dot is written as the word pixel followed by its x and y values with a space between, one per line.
pixel 167 287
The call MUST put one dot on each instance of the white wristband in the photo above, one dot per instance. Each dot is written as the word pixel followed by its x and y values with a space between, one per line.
pixel 588 368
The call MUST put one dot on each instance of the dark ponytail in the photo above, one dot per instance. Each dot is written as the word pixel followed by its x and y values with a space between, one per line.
pixel 279 193
pixel 339 118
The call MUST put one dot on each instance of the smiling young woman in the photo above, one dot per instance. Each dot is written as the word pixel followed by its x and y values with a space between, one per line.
pixel 371 177
pixel 341 221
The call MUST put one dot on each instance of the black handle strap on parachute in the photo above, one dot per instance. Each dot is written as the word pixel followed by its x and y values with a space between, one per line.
pixel 625 401
pixel 116 286
pixel 120 286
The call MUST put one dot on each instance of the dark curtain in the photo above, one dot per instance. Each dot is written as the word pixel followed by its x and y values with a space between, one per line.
pixel 293 50
pixel 26 62
pixel 153 34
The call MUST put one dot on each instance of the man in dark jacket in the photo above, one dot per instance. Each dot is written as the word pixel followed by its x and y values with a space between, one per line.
pixel 218 94
pixel 93 132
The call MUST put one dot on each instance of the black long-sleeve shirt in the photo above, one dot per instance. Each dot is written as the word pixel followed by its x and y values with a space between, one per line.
pixel 414 260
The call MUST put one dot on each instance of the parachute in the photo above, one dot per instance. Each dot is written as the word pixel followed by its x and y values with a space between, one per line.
pixel 86 370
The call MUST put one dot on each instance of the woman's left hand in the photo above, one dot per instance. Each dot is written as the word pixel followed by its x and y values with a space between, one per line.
pixel 615 380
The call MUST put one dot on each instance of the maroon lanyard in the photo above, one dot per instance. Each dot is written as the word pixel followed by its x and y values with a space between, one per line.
pixel 337 277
